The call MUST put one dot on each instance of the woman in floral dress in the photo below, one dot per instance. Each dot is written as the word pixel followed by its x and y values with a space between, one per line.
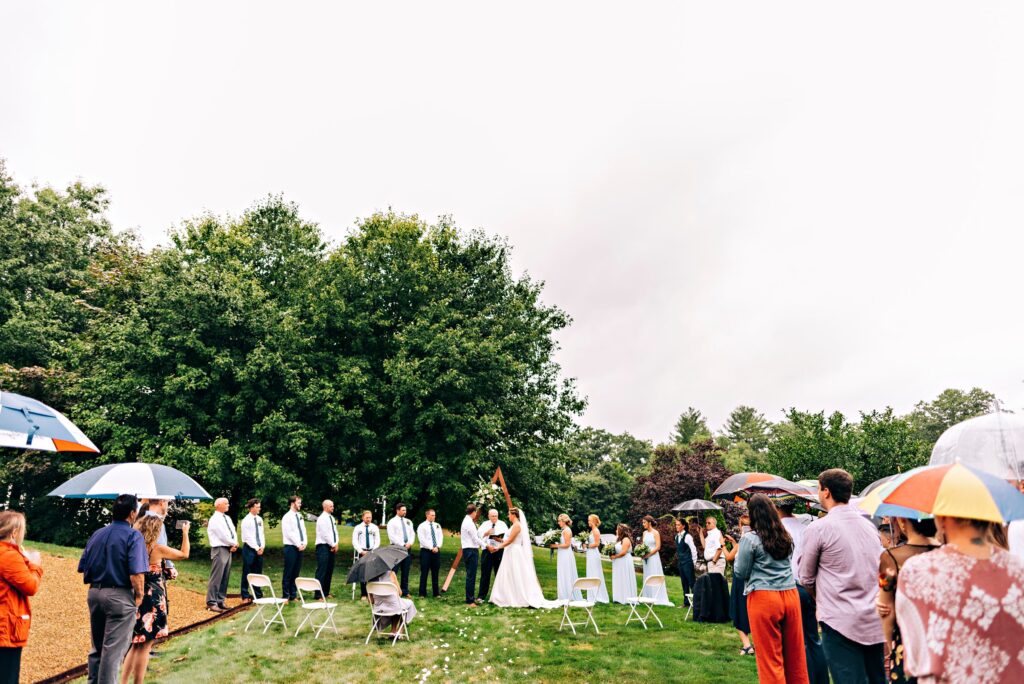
pixel 151 617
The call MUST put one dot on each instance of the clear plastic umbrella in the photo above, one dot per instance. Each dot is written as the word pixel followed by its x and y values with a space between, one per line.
pixel 993 443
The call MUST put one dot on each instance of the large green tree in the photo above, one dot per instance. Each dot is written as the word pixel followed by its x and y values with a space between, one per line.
pixel 931 418
pixel 747 424
pixel 691 426
pixel 604 491
pixel 587 448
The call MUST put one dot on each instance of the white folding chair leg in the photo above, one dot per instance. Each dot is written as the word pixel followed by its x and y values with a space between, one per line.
pixel 373 628
pixel 650 612
pixel 566 619
pixel 258 613
pixel 328 620
pixel 304 621
pixel 273 620
pixel 635 615
pixel 591 620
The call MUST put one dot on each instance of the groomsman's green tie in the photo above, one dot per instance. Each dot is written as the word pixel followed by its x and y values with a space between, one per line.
pixel 334 530
pixel 405 535
pixel 231 529
pixel 302 532
pixel 433 537
pixel 256 522
pixel 366 538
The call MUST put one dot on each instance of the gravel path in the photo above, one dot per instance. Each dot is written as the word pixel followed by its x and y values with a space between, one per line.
pixel 59 639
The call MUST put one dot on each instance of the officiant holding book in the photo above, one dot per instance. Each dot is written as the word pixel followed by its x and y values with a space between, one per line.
pixel 491 532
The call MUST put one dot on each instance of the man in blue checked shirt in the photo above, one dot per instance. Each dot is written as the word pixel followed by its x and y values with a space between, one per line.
pixel 293 534
pixel 326 547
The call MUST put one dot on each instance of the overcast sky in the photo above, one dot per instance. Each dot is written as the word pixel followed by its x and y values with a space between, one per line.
pixel 817 205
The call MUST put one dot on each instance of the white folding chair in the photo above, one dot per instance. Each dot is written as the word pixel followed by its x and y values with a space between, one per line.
pixel 264 583
pixel 652 581
pixel 689 608
pixel 582 584
pixel 378 612
pixel 312 585
pixel 355 557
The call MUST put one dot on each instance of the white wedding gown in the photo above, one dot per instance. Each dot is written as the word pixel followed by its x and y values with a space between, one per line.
pixel 516 585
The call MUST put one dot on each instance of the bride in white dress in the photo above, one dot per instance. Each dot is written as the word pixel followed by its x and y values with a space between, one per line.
pixel 516 585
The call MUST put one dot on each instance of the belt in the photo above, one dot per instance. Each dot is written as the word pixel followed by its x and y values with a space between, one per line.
pixel 107 585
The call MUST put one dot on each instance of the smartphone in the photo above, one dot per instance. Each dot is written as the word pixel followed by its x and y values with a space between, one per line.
pixel 180 524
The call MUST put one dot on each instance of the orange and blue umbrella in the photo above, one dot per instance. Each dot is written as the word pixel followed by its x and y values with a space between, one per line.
pixel 26 423
pixel 734 484
pixel 872 499
pixel 958 491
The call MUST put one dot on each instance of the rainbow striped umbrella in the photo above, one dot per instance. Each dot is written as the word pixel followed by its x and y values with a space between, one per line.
pixel 26 423
pixel 873 498
pixel 959 491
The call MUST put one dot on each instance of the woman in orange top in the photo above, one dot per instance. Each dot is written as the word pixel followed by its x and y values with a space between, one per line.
pixel 19 578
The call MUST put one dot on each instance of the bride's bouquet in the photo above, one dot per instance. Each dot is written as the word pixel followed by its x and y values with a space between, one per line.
pixel 608 549
pixel 641 550
pixel 551 537
pixel 486 495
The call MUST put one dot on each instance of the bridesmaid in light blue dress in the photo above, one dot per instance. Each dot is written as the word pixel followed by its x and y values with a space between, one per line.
pixel 652 562
pixel 623 571
pixel 566 563
pixel 595 568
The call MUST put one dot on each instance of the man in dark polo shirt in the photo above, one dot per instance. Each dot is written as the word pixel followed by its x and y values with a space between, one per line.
pixel 113 564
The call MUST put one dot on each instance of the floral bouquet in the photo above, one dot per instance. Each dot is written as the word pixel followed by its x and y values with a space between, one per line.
pixel 486 495
pixel 551 537
pixel 641 550
pixel 583 538
pixel 608 549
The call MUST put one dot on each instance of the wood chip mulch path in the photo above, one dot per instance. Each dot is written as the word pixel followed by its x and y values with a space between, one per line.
pixel 59 638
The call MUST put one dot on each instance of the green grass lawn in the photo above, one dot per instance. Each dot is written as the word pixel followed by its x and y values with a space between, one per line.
pixel 454 643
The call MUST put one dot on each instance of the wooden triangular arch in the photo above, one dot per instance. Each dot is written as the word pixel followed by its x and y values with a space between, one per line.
pixel 500 479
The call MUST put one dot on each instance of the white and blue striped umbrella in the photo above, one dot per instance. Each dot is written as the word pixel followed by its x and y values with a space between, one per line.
pixel 144 480
pixel 26 423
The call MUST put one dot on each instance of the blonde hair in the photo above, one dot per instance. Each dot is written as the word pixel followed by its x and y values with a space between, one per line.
pixel 592 519
pixel 12 524
pixel 149 526
pixel 564 519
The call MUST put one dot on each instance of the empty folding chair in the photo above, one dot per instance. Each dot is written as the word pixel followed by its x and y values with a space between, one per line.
pixel 375 592
pixel 312 585
pixel 275 604
pixel 652 581
pixel 582 584
pixel 689 608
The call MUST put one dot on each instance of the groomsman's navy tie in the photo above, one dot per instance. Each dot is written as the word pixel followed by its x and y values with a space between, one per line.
pixel 302 532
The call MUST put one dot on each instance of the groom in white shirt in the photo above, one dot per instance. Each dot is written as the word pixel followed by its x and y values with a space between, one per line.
pixel 400 533
pixel 470 552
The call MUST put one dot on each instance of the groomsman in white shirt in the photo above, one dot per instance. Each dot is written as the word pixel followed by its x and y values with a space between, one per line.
pixel 365 538
pixel 223 543
pixel 254 543
pixel 492 527
pixel 326 547
pixel 470 551
pixel 293 534
pixel 400 533
pixel 429 534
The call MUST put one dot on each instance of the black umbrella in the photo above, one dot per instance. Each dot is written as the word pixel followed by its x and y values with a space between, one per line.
pixel 376 563
pixel 697 505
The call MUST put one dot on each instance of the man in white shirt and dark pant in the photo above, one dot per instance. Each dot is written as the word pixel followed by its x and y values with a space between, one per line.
pixel 293 534
pixel 223 542
pixel 365 538
pixel 326 547
pixel 429 534
pixel 400 533
pixel 254 543
pixel 491 532
pixel 470 551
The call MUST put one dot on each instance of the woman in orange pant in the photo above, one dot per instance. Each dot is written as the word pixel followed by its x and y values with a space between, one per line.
pixel 773 604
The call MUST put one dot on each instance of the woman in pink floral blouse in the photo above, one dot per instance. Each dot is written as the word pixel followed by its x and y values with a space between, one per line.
pixel 960 609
